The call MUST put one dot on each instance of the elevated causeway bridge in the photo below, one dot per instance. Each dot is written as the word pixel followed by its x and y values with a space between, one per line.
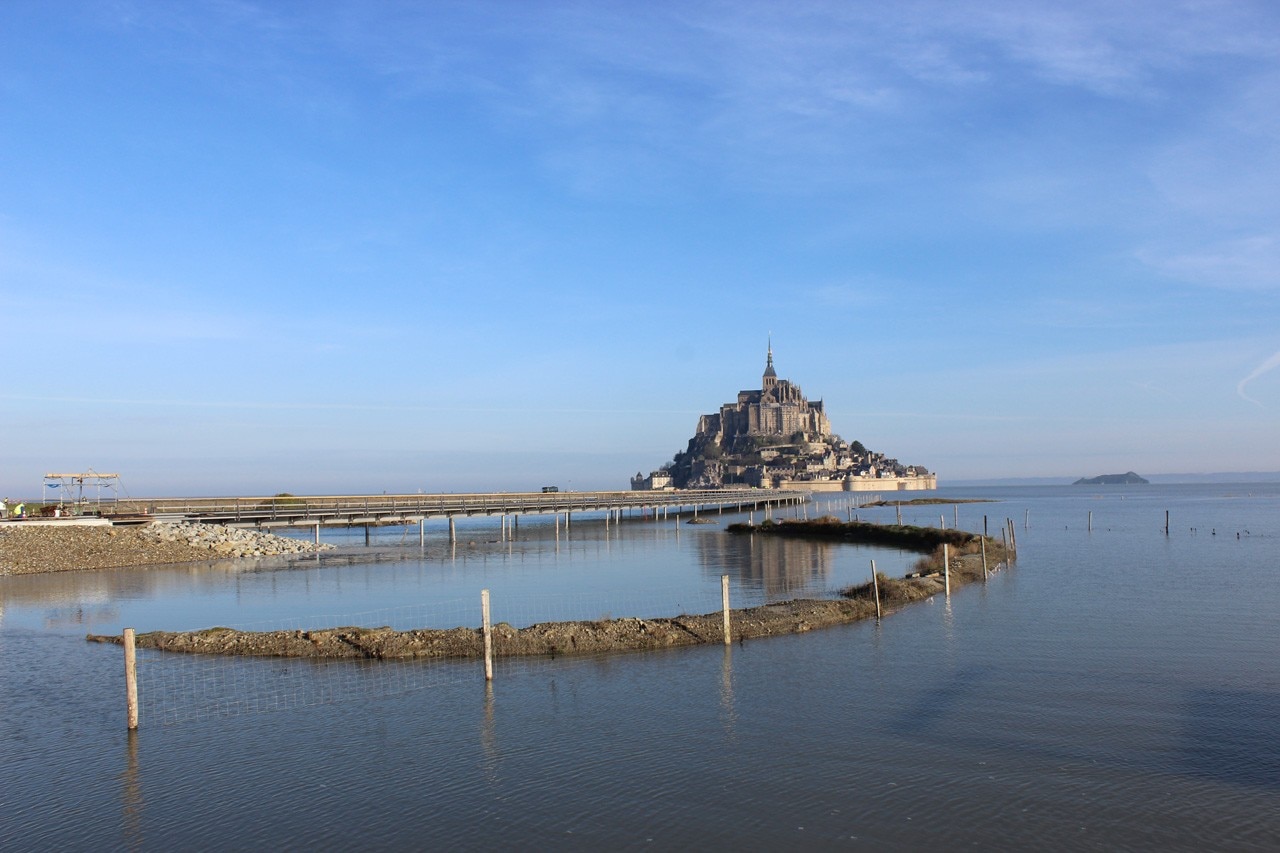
pixel 372 510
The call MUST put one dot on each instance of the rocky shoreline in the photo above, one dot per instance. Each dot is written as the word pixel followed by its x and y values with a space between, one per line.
pixel 574 637
pixel 34 549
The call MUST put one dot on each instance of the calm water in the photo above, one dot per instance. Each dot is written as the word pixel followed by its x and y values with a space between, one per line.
pixel 1115 689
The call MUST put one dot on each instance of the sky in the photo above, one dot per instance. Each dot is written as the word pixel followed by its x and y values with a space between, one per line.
pixel 320 247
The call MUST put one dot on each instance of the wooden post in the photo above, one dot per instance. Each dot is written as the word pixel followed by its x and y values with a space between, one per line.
pixel 983 540
pixel 366 535
pixel 1166 522
pixel 317 533
pixel 942 522
pixel 724 605
pixel 1026 523
pixel 130 680
pixel 946 568
pixel 984 525
pixel 1004 537
pixel 1090 521
pixel 487 630
pixel 956 517
pixel 453 532
pixel 875 585
pixel 899 514
pixel 422 532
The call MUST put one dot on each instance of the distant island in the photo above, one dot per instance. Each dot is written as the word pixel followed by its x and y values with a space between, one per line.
pixel 1112 480
pixel 774 437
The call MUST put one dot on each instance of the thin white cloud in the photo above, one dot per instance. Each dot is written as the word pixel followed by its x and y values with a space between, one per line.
pixel 1266 367
pixel 1246 263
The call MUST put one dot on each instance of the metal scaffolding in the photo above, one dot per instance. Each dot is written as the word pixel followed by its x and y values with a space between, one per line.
pixel 70 488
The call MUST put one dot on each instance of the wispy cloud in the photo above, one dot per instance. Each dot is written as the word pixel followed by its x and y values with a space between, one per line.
pixel 1266 367
pixel 1246 263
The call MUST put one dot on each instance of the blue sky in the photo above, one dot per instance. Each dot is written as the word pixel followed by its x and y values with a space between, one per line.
pixel 347 246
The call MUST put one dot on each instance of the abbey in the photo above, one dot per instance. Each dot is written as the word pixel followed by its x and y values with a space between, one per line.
pixel 775 437
pixel 777 409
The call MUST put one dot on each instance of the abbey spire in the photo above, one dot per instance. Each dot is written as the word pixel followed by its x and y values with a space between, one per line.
pixel 770 378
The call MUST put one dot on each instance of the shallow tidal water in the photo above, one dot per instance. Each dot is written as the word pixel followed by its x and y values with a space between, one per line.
pixel 1115 689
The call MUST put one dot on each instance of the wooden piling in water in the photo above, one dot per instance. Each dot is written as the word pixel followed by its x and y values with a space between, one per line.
pixel 130 679
pixel 946 569
pixel 875 585
pixel 487 630
pixel 983 540
pixel 724 604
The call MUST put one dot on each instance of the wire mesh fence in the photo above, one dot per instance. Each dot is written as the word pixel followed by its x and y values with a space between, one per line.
pixel 179 687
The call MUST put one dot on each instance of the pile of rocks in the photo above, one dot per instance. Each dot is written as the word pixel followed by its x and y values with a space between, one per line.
pixel 229 541
pixel 31 549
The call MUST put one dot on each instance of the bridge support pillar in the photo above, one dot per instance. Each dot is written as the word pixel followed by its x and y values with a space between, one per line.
pixel 317 533
pixel 453 531
pixel 366 535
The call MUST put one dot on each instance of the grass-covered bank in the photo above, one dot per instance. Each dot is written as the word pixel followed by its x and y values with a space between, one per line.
pixel 904 536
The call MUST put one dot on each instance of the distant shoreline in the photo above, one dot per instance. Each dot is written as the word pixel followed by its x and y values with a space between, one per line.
pixel 1224 479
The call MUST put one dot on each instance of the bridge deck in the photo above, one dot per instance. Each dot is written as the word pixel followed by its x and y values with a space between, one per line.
pixel 382 509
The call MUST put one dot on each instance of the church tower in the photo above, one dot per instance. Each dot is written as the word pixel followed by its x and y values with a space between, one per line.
pixel 770 378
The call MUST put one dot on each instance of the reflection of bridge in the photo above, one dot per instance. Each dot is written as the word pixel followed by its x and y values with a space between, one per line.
pixel 368 510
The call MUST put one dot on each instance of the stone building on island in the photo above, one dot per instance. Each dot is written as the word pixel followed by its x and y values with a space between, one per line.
pixel 774 437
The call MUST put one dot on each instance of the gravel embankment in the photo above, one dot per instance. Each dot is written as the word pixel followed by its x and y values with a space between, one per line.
pixel 49 548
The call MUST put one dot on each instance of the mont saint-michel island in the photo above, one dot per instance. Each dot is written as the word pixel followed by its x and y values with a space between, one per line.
pixel 774 437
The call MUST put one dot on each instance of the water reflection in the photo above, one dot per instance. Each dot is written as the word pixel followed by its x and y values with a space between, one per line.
pixel 779 567
pixel 488 738
pixel 131 795
pixel 730 716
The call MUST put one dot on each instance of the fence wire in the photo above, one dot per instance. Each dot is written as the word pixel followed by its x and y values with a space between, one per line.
pixel 177 687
